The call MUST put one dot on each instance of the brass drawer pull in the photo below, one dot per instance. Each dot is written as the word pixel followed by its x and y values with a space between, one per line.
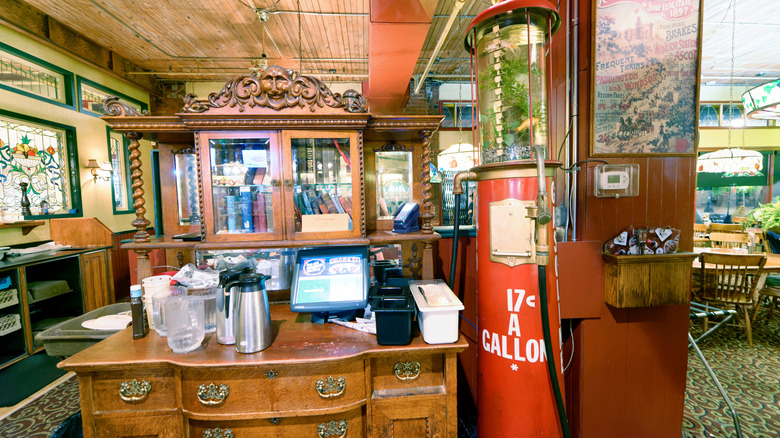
pixel 271 374
pixel 407 370
pixel 332 428
pixel 211 394
pixel 217 433
pixel 134 391
pixel 330 387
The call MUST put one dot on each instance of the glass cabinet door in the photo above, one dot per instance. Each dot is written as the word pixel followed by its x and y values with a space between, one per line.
pixel 241 186
pixel 322 183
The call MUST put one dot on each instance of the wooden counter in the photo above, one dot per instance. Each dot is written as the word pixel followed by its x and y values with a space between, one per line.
pixel 314 380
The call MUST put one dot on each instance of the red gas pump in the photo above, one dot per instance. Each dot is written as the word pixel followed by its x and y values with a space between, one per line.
pixel 519 377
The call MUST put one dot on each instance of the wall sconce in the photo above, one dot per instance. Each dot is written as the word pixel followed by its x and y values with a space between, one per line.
pixel 102 171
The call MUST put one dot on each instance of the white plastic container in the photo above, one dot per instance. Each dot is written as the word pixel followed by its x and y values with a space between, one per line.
pixel 438 311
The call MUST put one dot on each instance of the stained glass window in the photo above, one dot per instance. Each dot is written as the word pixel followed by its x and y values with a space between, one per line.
pixel 38 155
pixel 32 76
pixel 92 95
pixel 118 154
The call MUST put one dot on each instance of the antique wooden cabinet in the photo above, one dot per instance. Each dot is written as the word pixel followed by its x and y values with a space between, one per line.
pixel 315 380
pixel 281 162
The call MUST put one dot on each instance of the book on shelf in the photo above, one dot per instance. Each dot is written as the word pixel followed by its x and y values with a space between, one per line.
pixel 258 177
pixel 315 207
pixel 305 206
pixel 187 237
pixel 261 225
pixel 269 212
pixel 329 204
pixel 337 203
pixel 249 176
pixel 247 222
pixel 230 207
pixel 321 204
pixel 298 220
pixel 346 202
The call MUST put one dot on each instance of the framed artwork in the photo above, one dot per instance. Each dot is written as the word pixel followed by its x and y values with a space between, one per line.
pixel 645 77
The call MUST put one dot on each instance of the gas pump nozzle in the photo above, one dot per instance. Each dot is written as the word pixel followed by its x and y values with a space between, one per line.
pixel 543 215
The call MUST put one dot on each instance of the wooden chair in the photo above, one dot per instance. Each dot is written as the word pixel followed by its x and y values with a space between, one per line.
pixel 771 291
pixel 726 228
pixel 700 235
pixel 728 240
pixel 731 280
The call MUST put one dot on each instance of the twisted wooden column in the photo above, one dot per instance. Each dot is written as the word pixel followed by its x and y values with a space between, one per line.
pixel 140 222
pixel 427 214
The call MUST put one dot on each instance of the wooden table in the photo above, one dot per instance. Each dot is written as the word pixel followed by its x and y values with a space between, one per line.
pixel 314 380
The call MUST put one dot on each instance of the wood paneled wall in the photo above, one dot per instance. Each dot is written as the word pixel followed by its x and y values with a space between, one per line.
pixel 631 363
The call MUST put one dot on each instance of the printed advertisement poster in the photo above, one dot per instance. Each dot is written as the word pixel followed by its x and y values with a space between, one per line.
pixel 646 67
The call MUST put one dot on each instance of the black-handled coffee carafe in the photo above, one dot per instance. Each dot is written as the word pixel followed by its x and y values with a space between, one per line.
pixel 251 315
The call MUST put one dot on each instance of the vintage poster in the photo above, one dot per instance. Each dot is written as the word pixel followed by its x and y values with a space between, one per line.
pixel 646 67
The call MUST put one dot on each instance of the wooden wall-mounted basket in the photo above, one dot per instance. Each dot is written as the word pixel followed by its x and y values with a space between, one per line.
pixel 647 280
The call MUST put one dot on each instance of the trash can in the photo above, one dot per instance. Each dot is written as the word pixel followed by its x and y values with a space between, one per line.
pixel 69 337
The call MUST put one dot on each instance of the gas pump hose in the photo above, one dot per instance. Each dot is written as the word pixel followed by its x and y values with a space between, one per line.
pixel 456 229
pixel 549 351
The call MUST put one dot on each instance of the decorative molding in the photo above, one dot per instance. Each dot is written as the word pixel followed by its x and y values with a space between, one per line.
pixel 113 107
pixel 140 222
pixel 281 122
pixel 393 147
pixel 427 214
pixel 276 88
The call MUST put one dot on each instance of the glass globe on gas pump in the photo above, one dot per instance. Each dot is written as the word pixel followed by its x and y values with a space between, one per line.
pixel 510 65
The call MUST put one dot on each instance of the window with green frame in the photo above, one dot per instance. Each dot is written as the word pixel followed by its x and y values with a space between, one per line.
pixel 92 95
pixel 118 155
pixel 43 155
pixel 33 77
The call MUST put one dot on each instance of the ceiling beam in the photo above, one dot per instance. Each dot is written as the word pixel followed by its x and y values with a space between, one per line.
pixel 395 37
pixel 31 22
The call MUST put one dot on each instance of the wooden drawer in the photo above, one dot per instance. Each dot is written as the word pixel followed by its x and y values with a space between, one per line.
pixel 408 374
pixel 273 390
pixel 321 426
pixel 135 390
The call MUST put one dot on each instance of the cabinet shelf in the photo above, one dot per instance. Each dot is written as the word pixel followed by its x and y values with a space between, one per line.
pixel 32 301
pixel 26 226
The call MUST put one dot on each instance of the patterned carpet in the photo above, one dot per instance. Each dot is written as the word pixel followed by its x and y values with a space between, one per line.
pixel 750 376
pixel 39 418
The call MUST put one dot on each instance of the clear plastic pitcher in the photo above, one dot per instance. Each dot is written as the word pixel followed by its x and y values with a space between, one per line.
pixel 209 298
pixel 184 323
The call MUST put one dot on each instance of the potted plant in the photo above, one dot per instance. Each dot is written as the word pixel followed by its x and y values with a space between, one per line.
pixel 766 217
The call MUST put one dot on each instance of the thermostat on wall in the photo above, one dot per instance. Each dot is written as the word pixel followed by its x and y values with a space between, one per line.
pixel 616 180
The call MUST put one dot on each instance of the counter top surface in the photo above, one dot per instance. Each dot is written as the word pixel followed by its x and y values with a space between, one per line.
pixel 296 340
pixel 10 262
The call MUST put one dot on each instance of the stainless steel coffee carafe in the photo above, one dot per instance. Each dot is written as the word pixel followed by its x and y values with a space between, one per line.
pixel 251 318
pixel 225 312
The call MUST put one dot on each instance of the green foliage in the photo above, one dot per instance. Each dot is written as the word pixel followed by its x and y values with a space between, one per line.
pixel 767 215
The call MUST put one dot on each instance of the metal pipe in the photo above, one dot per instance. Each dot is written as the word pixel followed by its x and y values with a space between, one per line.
pixel 455 8
pixel 574 112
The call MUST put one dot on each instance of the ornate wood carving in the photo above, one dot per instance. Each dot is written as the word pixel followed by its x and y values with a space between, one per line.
pixel 393 147
pixel 415 262
pixel 427 214
pixel 277 88
pixel 113 107
pixel 140 222
pixel 201 208
pixel 362 186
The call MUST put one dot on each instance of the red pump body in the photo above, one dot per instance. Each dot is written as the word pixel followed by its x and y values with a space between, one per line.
pixel 514 394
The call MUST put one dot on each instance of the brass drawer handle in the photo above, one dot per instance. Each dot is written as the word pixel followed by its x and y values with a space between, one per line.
pixel 330 387
pixel 332 428
pixel 211 394
pixel 134 391
pixel 217 433
pixel 407 370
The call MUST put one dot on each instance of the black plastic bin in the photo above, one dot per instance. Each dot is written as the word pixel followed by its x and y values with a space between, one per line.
pixel 69 337
pixel 393 320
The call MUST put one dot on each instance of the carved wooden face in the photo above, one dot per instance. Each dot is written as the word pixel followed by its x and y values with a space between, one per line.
pixel 275 82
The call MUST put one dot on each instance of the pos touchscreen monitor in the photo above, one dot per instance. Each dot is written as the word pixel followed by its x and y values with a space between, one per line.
pixel 330 283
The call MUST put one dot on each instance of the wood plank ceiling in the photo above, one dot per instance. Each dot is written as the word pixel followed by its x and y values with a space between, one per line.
pixel 175 40
pixel 217 39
